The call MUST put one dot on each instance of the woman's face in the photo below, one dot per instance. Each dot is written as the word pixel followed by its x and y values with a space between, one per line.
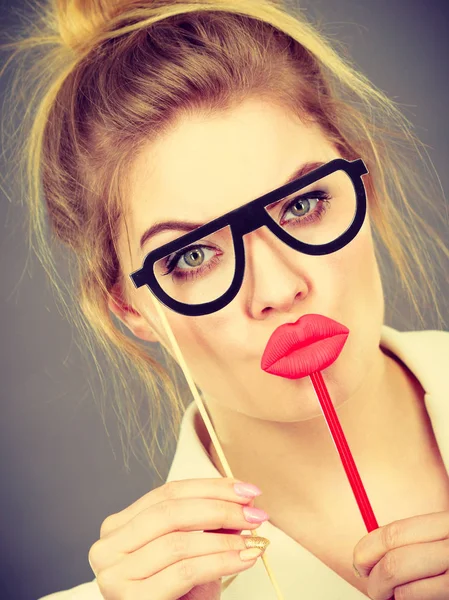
pixel 205 167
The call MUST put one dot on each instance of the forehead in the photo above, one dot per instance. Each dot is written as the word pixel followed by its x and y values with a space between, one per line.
pixel 208 165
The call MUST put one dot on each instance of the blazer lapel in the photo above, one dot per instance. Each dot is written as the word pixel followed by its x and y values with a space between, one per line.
pixel 426 354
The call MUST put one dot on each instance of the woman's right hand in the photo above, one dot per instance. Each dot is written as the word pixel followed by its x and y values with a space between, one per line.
pixel 174 542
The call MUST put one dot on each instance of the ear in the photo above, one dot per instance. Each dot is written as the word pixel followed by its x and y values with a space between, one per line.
pixel 130 317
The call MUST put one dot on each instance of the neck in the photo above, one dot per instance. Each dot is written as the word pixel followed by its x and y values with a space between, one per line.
pixel 383 423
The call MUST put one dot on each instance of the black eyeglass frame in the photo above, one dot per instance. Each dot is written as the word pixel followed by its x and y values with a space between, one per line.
pixel 247 218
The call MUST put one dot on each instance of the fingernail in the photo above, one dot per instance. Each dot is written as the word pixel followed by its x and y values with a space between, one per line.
pixel 355 571
pixel 255 541
pixel 250 553
pixel 248 490
pixel 254 515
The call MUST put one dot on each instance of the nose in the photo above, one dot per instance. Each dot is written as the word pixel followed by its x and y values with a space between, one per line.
pixel 274 278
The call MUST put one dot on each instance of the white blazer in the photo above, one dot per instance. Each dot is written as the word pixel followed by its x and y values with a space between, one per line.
pixel 297 571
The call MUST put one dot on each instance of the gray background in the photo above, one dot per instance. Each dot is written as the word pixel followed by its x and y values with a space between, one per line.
pixel 61 473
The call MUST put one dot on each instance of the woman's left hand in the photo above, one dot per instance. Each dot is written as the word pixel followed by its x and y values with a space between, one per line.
pixel 406 559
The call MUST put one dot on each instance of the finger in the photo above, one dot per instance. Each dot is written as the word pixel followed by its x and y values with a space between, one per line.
pixel 175 547
pixel 413 530
pixel 184 514
pixel 184 575
pixel 227 531
pixel 433 588
pixel 221 488
pixel 406 564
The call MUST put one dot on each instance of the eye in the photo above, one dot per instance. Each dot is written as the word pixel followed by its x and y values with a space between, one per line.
pixel 306 207
pixel 189 258
pixel 193 257
pixel 301 206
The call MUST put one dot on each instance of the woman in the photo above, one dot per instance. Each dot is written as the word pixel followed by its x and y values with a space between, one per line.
pixel 159 118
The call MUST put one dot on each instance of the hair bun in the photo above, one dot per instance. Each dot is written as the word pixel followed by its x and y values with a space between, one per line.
pixel 79 21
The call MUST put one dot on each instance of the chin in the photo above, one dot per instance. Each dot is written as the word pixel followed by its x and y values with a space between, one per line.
pixel 339 385
pixel 292 401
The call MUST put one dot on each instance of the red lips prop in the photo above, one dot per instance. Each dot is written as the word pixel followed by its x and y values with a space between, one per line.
pixel 296 350
pixel 306 347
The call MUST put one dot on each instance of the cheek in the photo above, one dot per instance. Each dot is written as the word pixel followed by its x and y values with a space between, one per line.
pixel 215 348
pixel 366 266
pixel 363 307
pixel 198 338
pixel 358 298
pixel 357 268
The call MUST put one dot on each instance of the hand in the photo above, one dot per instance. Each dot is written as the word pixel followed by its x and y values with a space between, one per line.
pixel 407 559
pixel 176 542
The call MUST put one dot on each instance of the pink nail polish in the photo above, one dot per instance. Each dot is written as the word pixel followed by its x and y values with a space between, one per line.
pixel 255 515
pixel 248 490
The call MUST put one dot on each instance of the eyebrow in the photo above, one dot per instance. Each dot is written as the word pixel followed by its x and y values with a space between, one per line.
pixel 187 226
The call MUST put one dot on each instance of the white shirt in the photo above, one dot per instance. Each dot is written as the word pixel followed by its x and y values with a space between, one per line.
pixel 299 573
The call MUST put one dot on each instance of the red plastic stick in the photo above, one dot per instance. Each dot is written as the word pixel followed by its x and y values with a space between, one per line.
pixel 343 449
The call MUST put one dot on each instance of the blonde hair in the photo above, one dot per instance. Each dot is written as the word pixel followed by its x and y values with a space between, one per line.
pixel 108 77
